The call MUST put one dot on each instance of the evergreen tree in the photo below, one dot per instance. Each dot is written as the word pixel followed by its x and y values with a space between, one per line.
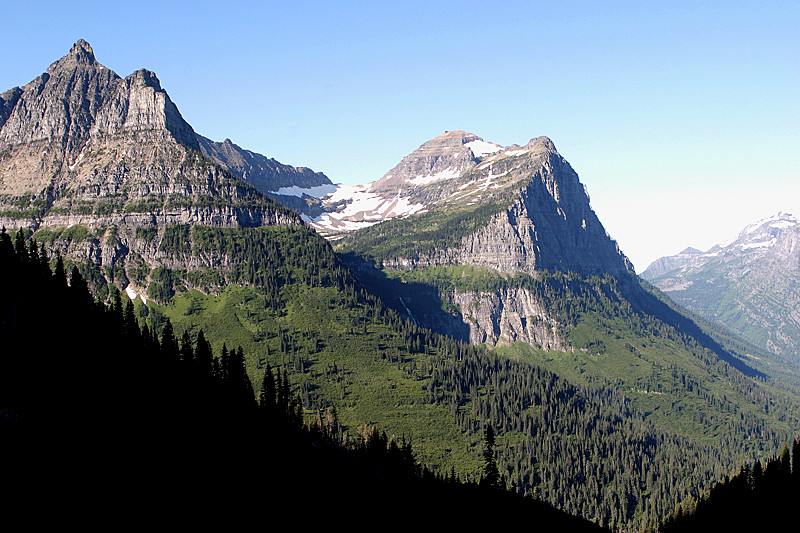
pixel 267 396
pixel 79 288
pixel 187 351
pixel 491 474
pixel 240 379
pixel 60 276
pixel 19 247
pixel 169 344
pixel 203 356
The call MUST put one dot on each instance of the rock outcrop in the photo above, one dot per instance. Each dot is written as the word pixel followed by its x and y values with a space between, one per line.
pixel 82 147
pixel 508 316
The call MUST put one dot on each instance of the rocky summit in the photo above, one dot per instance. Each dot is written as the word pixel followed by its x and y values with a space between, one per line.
pixel 102 167
pixel 81 145
pixel 751 284
pixel 534 211
pixel 476 210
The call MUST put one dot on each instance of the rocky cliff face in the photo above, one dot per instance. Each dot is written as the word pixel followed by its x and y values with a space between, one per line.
pixel 550 225
pixel 534 215
pixel 752 284
pixel 264 173
pixel 82 147
pixel 511 211
pixel 508 316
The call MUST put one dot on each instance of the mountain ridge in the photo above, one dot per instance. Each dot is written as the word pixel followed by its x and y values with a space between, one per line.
pixel 750 284
pixel 80 130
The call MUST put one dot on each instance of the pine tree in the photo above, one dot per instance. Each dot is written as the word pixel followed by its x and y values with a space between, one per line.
pixel 19 247
pixel 187 351
pixel 60 276
pixel 267 396
pixel 491 475
pixel 203 356
pixel 242 381
pixel 169 344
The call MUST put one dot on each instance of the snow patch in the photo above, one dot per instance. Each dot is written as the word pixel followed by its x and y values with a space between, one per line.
pixel 482 148
pixel 764 244
pixel 315 192
pixel 783 224
pixel 132 294
pixel 362 209
pixel 80 157
pixel 446 174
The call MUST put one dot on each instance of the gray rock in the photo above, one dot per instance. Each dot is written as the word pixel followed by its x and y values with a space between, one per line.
pixel 751 285
pixel 80 146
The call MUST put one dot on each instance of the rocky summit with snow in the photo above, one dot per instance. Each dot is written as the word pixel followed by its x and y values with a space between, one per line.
pixel 751 284
pixel 548 224
pixel 512 209
pixel 461 204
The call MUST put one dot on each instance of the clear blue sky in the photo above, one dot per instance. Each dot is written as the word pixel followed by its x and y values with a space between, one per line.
pixel 682 118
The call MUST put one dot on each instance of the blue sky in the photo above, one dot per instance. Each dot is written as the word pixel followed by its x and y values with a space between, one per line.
pixel 682 118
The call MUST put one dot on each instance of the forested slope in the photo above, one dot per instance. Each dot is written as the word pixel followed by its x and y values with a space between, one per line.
pixel 285 297
pixel 181 423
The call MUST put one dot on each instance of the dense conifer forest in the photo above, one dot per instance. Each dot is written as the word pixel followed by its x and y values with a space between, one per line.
pixel 180 434
pixel 759 496
pixel 353 363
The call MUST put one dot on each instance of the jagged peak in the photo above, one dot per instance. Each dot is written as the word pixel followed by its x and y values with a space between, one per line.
pixel 81 54
pixel 82 49
pixel 542 141
pixel 145 78
pixel 691 251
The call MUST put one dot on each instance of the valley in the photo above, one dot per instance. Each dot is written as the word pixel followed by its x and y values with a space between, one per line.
pixel 472 286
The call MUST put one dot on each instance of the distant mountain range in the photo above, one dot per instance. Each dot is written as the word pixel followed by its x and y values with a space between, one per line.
pixel 751 284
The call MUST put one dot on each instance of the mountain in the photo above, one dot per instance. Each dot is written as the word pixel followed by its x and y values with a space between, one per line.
pixel 106 168
pixel 514 209
pixel 498 212
pixel 500 301
pixel 507 252
pixel 274 179
pixel 460 177
pixel 663 265
pixel 751 284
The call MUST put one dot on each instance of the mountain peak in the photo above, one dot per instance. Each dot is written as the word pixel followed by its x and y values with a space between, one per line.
pixel 459 136
pixel 542 141
pixel 145 78
pixel 691 251
pixel 82 49
pixel 80 55
pixel 442 157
